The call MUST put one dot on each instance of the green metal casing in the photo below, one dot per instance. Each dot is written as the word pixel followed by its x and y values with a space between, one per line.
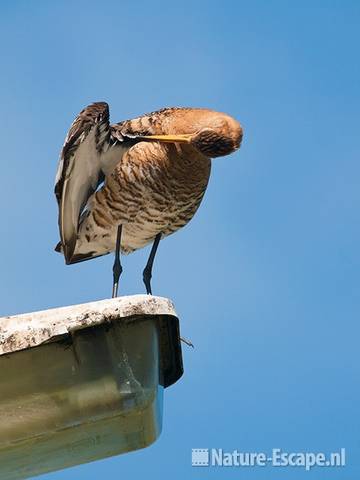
pixel 92 393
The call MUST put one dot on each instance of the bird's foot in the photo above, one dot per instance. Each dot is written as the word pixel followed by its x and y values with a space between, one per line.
pixel 147 280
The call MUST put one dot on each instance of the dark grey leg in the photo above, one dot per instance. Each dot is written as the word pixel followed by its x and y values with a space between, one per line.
pixel 147 273
pixel 117 268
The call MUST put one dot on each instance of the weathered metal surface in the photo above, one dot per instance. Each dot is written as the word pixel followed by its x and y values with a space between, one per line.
pixel 19 332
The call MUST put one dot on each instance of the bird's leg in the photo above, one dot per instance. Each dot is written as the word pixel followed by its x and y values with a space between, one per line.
pixel 147 273
pixel 117 267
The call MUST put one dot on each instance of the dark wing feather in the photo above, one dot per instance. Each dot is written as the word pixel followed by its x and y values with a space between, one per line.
pixel 80 169
pixel 90 116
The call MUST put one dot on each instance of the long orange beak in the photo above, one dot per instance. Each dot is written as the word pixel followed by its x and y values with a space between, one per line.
pixel 181 138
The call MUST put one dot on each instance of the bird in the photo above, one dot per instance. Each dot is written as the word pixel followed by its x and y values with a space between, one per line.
pixel 122 186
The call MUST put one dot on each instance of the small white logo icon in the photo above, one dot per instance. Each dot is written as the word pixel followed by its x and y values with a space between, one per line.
pixel 200 457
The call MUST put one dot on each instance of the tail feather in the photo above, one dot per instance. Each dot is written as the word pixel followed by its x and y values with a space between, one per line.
pixel 79 257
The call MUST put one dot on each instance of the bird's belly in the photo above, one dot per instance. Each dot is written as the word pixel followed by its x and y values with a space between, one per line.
pixel 142 216
pixel 145 198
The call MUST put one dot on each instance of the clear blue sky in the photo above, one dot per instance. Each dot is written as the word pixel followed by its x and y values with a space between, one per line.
pixel 266 278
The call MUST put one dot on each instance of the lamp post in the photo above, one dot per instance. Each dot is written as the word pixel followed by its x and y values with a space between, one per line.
pixel 84 382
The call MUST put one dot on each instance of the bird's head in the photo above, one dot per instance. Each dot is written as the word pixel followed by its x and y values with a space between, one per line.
pixel 221 135
pixel 213 134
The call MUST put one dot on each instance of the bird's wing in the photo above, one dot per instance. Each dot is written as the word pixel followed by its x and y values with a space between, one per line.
pixel 90 151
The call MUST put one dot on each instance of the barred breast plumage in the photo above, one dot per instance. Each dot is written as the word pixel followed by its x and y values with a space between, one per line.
pixel 155 188
pixel 147 175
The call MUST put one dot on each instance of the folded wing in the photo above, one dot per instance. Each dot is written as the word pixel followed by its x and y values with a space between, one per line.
pixel 90 151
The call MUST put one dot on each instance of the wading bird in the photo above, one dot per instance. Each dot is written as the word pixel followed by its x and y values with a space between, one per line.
pixel 122 186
